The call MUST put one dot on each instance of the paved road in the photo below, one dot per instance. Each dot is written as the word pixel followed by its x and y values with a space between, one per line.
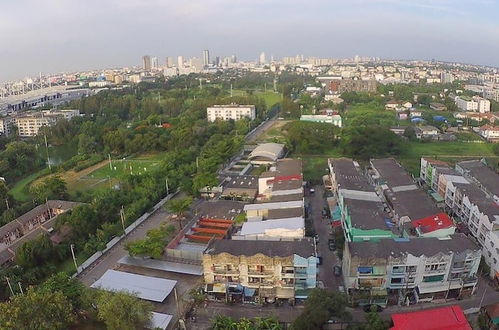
pixel 329 258
pixel 259 131
pixel 109 259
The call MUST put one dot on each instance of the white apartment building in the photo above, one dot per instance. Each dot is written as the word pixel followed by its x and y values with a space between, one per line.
pixel 5 125
pixel 474 104
pixel 29 124
pixel 231 111
pixel 492 94
pixel 489 133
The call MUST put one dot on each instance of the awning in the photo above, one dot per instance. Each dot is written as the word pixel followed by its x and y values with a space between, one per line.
pixel 215 288
pixel 336 223
pixel 336 213
pixel 248 292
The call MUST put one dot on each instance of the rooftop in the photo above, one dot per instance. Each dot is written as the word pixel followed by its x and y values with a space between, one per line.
pixel 220 209
pixel 415 203
pixel 303 248
pixel 487 177
pixel 285 213
pixel 416 247
pixel 260 227
pixel 270 151
pixel 348 175
pixel 443 318
pixel 391 172
pixel 433 223
pixel 367 214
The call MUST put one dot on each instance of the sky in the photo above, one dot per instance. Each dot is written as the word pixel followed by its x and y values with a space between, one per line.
pixel 51 36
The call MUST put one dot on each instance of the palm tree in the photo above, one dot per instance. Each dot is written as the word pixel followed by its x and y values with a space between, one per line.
pixel 221 322
pixel 179 207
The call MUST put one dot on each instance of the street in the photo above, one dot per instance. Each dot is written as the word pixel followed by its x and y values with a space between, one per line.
pixel 329 258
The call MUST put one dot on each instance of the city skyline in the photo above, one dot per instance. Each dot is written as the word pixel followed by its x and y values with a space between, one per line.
pixel 72 36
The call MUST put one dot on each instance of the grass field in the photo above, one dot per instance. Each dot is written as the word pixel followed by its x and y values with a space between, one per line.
pixel 269 97
pixel 121 167
pixel 447 151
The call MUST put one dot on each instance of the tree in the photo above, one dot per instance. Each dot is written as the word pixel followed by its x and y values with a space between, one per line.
pixel 320 306
pixel 153 245
pixel 53 187
pixel 308 137
pixel 370 142
pixel 374 321
pixel 71 288
pixel 37 309
pixel 179 207
pixel 123 311
pixel 410 133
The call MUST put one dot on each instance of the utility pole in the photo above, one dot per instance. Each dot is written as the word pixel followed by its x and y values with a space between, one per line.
pixel 167 188
pixel 7 203
pixel 197 163
pixel 20 287
pixel 110 164
pixel 177 303
pixel 72 246
pixel 10 286
pixel 122 215
pixel 481 300
pixel 231 90
pixel 47 148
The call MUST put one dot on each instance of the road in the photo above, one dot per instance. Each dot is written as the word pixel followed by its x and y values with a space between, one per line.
pixel 329 258
pixel 257 132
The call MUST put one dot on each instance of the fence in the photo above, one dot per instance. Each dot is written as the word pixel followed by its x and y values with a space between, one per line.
pixel 87 263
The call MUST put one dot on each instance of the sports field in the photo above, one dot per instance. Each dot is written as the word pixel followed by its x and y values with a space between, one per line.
pixel 118 168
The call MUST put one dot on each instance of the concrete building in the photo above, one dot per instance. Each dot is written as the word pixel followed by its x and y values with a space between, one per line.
pixel 328 119
pixel 363 215
pixel 240 270
pixel 146 63
pixel 473 201
pixel 414 270
pixel 5 125
pixel 40 220
pixel 397 188
pixel 230 112
pixel 350 85
pixel 474 104
pixel 489 133
pixel 30 123
pixel 206 58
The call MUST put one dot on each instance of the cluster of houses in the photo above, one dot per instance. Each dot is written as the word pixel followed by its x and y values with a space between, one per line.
pixel 400 247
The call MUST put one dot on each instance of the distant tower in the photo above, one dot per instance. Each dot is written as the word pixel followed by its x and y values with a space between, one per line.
pixel 154 63
pixel 146 60
pixel 169 62
pixel 262 58
pixel 180 61
pixel 206 57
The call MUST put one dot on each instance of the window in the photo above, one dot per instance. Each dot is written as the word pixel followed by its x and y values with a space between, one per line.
pixel 396 280
pixel 489 253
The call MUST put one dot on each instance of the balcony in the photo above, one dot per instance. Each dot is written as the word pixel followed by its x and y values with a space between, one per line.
pixel 287 275
pixel 226 272
pixel 264 273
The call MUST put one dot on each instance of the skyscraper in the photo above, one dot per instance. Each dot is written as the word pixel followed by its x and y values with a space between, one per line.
pixel 154 63
pixel 262 58
pixel 180 61
pixel 146 63
pixel 206 57
pixel 169 62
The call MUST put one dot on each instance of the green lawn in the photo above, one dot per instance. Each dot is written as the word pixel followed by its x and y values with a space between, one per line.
pixel 121 167
pixel 447 151
pixel 20 189
pixel 270 98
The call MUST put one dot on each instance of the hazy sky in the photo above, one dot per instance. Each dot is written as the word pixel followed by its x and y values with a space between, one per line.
pixel 68 35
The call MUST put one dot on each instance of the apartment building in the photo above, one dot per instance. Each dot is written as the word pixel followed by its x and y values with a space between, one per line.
pixel 489 133
pixel 28 124
pixel 473 201
pixel 474 104
pixel 230 112
pixel 351 85
pixel 413 270
pixel 327 119
pixel 363 214
pixel 264 272
pixel 6 125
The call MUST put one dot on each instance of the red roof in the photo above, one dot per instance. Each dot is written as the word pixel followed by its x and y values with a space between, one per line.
pixel 444 318
pixel 434 222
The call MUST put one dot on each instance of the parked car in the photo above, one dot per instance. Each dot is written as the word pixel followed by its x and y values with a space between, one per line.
pixel 332 244
pixel 337 270
pixel 312 191
pixel 324 213
pixel 319 260
pixel 316 238
pixel 376 308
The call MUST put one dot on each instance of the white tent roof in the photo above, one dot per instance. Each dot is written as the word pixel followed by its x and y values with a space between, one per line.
pixel 146 287
pixel 160 320
pixel 253 228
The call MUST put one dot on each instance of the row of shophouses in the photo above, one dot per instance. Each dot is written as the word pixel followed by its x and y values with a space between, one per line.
pixel 401 248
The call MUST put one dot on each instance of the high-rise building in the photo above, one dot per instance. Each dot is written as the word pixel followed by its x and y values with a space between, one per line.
pixel 154 63
pixel 169 62
pixel 206 57
pixel 180 61
pixel 262 58
pixel 146 60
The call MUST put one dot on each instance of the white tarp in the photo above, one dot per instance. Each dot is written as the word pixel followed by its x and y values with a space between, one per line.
pixel 145 287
